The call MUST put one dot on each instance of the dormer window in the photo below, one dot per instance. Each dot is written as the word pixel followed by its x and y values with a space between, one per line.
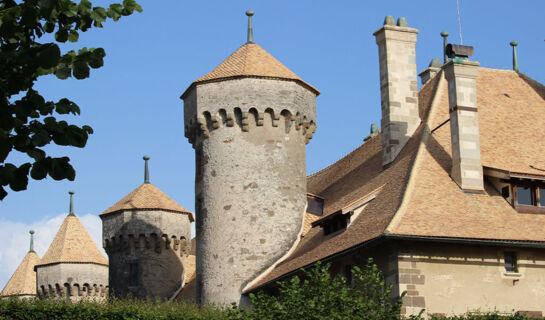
pixel 527 196
pixel 315 204
pixel 334 223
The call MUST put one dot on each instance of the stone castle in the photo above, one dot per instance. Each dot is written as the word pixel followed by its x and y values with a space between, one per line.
pixel 447 197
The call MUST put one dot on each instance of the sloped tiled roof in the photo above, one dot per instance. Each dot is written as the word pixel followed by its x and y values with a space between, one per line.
pixel 417 196
pixel 189 291
pixel 250 60
pixel 73 244
pixel 147 197
pixel 23 280
pixel 512 136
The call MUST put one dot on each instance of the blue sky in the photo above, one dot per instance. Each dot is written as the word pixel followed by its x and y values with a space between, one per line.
pixel 133 102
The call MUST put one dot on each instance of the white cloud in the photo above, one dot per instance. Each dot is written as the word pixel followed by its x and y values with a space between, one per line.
pixel 15 240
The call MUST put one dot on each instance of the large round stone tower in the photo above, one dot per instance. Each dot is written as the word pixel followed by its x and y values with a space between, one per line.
pixel 249 121
pixel 72 268
pixel 147 238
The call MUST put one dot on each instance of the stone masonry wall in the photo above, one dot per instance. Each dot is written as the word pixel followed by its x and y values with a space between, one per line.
pixel 467 168
pixel 72 281
pixel 155 244
pixel 448 279
pixel 398 88
pixel 249 136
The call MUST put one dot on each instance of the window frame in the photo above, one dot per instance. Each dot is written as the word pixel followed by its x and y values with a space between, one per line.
pixel 535 187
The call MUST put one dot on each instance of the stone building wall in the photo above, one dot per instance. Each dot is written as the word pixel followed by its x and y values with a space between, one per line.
pixel 249 135
pixel 147 252
pixel 449 279
pixel 72 281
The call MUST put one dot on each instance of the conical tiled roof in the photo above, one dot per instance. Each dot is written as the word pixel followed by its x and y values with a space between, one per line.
pixel 250 60
pixel 73 244
pixel 23 280
pixel 147 197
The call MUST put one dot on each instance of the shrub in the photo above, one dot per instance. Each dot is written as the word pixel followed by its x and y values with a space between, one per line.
pixel 320 296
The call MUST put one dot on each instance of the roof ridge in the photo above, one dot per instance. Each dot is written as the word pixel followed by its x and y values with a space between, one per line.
pixel 344 156
pixel 409 187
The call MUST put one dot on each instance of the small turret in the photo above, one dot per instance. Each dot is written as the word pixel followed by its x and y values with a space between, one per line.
pixel 146 236
pixel 22 283
pixel 72 268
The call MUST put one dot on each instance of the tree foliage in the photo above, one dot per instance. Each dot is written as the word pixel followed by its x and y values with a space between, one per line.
pixel 27 119
pixel 322 296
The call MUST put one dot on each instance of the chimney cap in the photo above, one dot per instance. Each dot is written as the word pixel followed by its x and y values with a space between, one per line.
pixel 444 34
pixel 435 63
pixel 458 51
pixel 389 21
pixel 374 128
pixel 514 43
pixel 402 22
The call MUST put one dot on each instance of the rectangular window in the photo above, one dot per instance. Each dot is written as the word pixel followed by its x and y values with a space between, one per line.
pixel 510 261
pixel 133 274
pixel 315 205
pixel 542 197
pixel 524 195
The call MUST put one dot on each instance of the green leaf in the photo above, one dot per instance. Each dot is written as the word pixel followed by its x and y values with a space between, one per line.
pixel 49 27
pixel 96 58
pixel 20 178
pixel 48 3
pixel 81 69
pixel 61 35
pixel 115 11
pixel 63 71
pixel 84 7
pixel 39 170
pixel 73 36
pixel 49 55
pixel 36 154
pixel 60 169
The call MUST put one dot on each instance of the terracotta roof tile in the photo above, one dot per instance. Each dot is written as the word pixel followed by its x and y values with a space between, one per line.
pixel 189 293
pixel 147 197
pixel 511 126
pixel 72 243
pixel 23 280
pixel 357 175
pixel 250 60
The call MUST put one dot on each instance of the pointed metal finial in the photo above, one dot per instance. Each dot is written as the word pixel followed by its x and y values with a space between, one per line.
pixel 31 241
pixel 146 170
pixel 514 44
pixel 71 212
pixel 250 13
pixel 444 34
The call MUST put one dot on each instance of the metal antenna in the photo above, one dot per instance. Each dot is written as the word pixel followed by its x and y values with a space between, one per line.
pixel 459 21
pixel 250 13
pixel 71 193
pixel 146 170
pixel 31 241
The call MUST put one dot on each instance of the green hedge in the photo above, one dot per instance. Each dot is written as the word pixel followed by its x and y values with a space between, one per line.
pixel 317 295
pixel 123 309
pixel 14 309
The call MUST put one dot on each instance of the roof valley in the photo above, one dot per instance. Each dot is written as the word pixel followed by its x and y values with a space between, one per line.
pixel 409 187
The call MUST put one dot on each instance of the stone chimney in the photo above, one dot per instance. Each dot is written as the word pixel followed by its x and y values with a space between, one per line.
pixel 398 85
pixel 431 71
pixel 461 74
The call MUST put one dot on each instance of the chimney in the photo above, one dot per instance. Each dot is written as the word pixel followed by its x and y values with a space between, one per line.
pixel 431 71
pixel 461 74
pixel 398 85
